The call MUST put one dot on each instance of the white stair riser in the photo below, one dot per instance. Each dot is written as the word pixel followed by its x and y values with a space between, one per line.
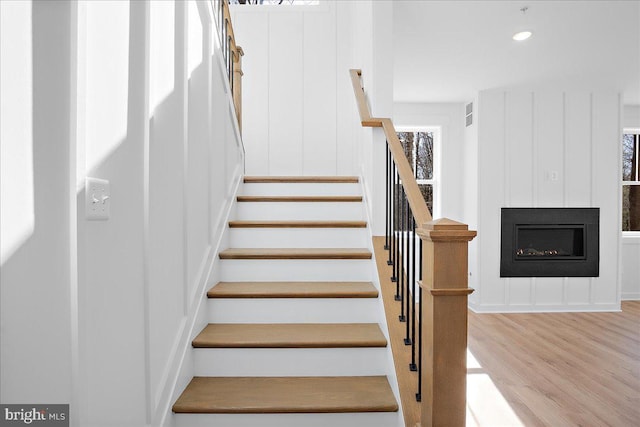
pixel 295 270
pixel 293 310
pixel 336 211
pixel 301 189
pixel 363 419
pixel 298 237
pixel 242 362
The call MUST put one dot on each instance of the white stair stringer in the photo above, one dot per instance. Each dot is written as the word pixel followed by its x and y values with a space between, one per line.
pixel 297 362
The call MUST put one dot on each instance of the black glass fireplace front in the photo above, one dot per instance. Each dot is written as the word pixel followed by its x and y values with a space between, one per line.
pixel 550 242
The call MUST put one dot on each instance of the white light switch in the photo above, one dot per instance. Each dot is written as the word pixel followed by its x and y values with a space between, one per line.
pixel 97 199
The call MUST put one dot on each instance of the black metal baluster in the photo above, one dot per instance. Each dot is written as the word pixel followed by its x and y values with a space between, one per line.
pixel 408 292
pixel 390 178
pixel 402 254
pixel 394 275
pixel 419 393
pixel 387 213
pixel 412 365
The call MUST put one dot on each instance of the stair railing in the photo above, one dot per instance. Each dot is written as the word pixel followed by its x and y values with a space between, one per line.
pixel 232 54
pixel 438 263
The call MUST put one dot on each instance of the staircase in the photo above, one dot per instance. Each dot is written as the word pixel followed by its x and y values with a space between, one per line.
pixel 296 334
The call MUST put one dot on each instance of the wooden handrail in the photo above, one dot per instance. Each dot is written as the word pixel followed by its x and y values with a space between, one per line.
pixel 444 249
pixel 418 206
pixel 234 62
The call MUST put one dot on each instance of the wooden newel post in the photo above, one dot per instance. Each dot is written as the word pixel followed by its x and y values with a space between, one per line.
pixel 444 325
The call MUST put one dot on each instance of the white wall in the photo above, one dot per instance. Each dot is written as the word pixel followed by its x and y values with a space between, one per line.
pixel 294 61
pixel 36 194
pixel 631 241
pixel 449 118
pixel 100 314
pixel 522 136
pixel 159 127
pixel 299 112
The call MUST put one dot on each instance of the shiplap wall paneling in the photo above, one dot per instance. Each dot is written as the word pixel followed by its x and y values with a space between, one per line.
pixel 197 184
pixel 577 174
pixel 606 191
pixel 286 86
pixel 255 89
pixel 319 92
pixel 346 114
pixel 518 164
pixel 547 176
pixel 491 182
pixel 549 148
pixel 166 268
pixel 557 149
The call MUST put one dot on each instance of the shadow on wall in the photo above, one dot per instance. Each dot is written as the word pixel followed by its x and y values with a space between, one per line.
pixel 138 272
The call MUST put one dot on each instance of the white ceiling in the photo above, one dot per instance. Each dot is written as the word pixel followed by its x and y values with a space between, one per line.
pixel 446 51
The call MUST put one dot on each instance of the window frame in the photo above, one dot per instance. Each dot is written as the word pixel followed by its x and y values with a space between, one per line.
pixel 623 183
pixel 435 181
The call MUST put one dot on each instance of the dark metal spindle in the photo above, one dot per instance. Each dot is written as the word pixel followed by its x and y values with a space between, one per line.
pixel 390 207
pixel 387 213
pixel 412 365
pixel 419 393
pixel 408 292
pixel 394 276
pixel 402 255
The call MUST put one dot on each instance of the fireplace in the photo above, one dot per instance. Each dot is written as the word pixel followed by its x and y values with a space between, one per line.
pixel 550 242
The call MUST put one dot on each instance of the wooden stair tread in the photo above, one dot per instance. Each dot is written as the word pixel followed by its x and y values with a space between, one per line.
pixel 259 395
pixel 301 179
pixel 290 335
pixel 299 199
pixel 295 253
pixel 293 290
pixel 297 224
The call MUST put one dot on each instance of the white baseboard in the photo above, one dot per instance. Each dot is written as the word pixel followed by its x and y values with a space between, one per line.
pixel 570 308
pixel 631 296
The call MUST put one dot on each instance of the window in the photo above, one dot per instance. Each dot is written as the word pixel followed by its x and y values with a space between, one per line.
pixel 419 149
pixel 631 180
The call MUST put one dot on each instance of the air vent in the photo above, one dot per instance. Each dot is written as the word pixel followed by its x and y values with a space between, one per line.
pixel 469 114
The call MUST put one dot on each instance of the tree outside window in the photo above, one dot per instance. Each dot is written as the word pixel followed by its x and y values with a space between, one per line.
pixel 631 181
pixel 418 147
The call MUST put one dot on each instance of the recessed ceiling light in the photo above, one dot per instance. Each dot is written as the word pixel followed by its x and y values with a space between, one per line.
pixel 522 35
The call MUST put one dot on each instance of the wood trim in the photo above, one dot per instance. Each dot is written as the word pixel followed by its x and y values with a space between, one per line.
pixel 299 199
pixel 263 395
pixel 451 292
pixel 414 196
pixel 416 201
pixel 293 290
pixel 295 253
pixel 297 224
pixel 301 179
pixel 445 266
pixel 290 335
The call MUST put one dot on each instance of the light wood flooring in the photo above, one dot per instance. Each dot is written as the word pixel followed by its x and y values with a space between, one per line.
pixel 551 369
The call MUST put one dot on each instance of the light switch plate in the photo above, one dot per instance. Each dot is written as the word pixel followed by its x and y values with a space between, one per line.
pixel 97 199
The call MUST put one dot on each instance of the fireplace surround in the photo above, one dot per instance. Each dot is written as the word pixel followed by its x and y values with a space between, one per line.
pixel 550 242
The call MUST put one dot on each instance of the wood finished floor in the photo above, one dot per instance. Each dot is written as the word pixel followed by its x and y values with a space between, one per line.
pixel 551 369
